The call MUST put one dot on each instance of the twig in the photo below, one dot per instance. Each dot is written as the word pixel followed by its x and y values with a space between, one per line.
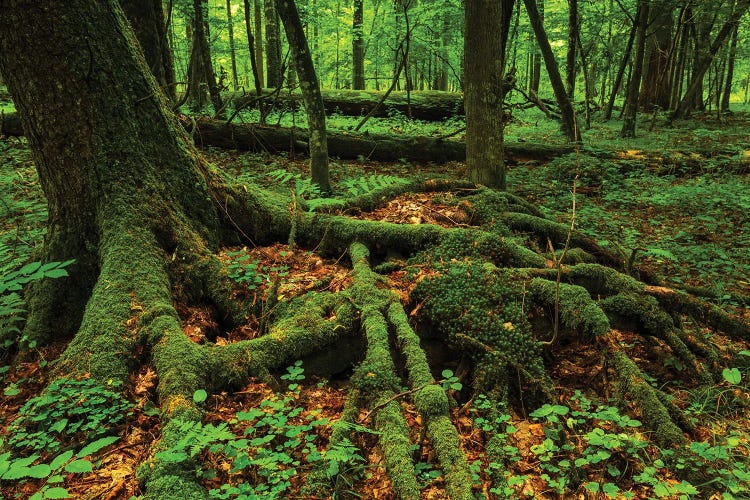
pixel 395 397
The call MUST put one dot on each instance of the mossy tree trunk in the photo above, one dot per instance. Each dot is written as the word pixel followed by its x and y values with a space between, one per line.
pixel 316 114
pixel 273 45
pixel 204 52
pixel 487 25
pixel 147 20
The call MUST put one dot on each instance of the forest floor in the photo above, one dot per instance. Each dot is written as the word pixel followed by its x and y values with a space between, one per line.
pixel 691 226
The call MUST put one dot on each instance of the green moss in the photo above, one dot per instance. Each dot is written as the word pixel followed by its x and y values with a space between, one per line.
pixel 654 321
pixel 577 311
pixel 630 381
pixel 394 441
pixel 467 300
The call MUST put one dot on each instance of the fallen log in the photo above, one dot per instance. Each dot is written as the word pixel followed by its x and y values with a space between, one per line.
pixel 352 146
pixel 423 105
pixel 349 146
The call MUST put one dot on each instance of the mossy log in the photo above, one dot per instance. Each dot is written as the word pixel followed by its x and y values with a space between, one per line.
pixel 422 105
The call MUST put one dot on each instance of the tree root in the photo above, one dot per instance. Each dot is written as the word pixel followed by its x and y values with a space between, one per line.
pixel 630 380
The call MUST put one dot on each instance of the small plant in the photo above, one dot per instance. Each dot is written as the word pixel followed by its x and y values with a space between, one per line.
pixel 266 444
pixel 68 462
pixel 11 303
pixel 67 413
pixel 243 270
pixel 365 185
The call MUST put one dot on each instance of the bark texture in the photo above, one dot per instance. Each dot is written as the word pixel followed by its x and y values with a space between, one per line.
pixel 316 116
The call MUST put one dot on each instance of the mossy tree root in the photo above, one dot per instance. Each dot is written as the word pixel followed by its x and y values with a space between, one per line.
pixel 630 380
pixel 704 312
pixel 376 376
pixel 652 320
pixel 578 312
pixel 432 403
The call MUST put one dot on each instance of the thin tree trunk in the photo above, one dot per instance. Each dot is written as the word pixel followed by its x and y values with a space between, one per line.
pixel 573 35
pixel 631 102
pixel 257 78
pixel 316 117
pixel 701 70
pixel 569 125
pixel 258 18
pixel 358 47
pixel 621 72
pixel 536 60
pixel 232 54
pixel 730 72
pixel 273 46
pixel 204 52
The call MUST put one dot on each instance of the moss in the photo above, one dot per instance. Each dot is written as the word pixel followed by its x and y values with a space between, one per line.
pixel 488 204
pixel 481 245
pixel 432 403
pixel 630 380
pixel 394 441
pixel 702 311
pixel 654 321
pixel 576 256
pixel 577 310
pixel 465 299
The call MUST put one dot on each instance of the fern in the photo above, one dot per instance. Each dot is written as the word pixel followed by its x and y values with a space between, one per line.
pixel 366 185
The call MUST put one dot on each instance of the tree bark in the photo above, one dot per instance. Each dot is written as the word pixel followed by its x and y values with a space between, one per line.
pixel 358 47
pixel 487 25
pixel 274 75
pixel 204 53
pixel 569 125
pixel 147 22
pixel 232 54
pixel 631 102
pixel 256 68
pixel 257 16
pixel 316 117
pixel 700 71
pixel 573 35
pixel 727 94
pixel 656 85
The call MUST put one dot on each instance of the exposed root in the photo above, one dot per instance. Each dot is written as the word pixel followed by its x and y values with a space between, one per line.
pixel 432 403
pixel 578 312
pixel 703 311
pixel 377 378
pixel 631 381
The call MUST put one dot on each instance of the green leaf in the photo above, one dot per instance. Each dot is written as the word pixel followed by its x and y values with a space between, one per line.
pixel 39 471
pixel 732 375
pixel 200 396
pixel 661 490
pixel 97 445
pixel 56 492
pixel 79 467
pixel 592 487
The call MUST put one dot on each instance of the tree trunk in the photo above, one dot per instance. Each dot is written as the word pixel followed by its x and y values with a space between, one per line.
pixel 204 52
pixel 258 17
pixel 700 71
pixel 631 102
pixel 487 25
pixel 535 62
pixel 573 35
pixel 358 47
pixel 727 94
pixel 569 125
pixel 256 68
pixel 621 72
pixel 656 85
pixel 232 54
pixel 316 117
pixel 148 24
pixel 274 75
